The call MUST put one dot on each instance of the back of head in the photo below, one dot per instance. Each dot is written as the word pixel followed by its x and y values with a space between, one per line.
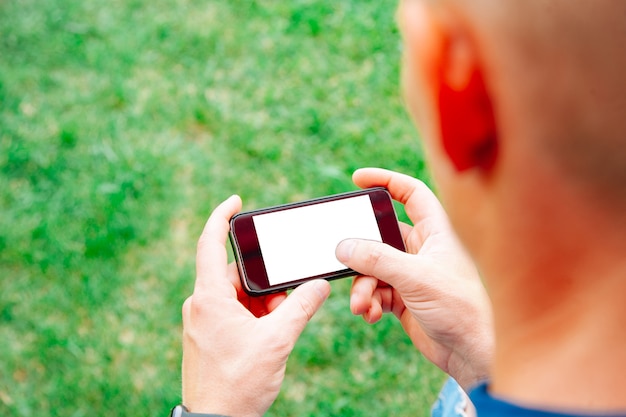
pixel 560 68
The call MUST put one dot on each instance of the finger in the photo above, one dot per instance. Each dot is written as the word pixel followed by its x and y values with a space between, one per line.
pixel 378 260
pixel 232 272
pixel 275 300
pixel 419 201
pixel 298 308
pixel 212 257
pixel 257 306
pixel 405 230
pixel 363 288
pixel 375 311
pixel 371 298
pixel 261 306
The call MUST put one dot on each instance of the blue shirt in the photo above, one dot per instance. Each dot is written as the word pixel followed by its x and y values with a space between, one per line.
pixel 489 406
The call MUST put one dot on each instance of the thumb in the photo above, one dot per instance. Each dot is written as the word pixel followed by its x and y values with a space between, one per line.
pixel 298 308
pixel 378 260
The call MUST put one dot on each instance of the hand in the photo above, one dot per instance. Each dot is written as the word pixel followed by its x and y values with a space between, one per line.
pixel 434 289
pixel 235 347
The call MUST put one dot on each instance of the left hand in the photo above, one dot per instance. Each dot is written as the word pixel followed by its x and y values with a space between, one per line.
pixel 235 347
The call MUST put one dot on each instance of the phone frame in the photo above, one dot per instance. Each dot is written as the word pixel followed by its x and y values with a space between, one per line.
pixel 247 251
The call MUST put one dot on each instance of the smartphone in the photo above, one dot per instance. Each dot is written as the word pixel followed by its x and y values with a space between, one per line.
pixel 279 248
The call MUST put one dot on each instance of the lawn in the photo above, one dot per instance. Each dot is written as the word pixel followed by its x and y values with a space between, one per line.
pixel 122 124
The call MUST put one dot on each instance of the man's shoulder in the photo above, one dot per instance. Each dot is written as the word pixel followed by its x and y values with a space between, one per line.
pixel 489 406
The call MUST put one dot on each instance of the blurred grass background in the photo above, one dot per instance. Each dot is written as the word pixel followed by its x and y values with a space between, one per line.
pixel 122 124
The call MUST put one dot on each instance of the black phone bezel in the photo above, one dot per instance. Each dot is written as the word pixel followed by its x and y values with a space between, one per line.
pixel 247 251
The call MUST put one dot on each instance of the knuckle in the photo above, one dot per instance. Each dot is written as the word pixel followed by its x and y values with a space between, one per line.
pixel 203 242
pixel 281 345
pixel 186 308
pixel 307 307
pixel 375 258
pixel 198 306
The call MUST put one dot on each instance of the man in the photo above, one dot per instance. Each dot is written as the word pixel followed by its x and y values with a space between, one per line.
pixel 521 105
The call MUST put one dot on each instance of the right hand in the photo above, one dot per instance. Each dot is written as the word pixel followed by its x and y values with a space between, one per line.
pixel 434 289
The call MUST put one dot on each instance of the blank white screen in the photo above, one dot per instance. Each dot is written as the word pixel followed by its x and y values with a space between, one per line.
pixel 300 243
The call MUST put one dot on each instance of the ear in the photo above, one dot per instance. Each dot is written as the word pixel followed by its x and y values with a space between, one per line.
pixel 468 129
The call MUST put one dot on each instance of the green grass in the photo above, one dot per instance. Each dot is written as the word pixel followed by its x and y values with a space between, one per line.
pixel 122 124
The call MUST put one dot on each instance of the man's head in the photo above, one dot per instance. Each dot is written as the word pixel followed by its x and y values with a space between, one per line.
pixel 515 98
pixel 522 107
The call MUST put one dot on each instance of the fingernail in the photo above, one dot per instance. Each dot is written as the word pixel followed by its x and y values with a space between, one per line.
pixel 344 250
pixel 354 304
pixel 323 289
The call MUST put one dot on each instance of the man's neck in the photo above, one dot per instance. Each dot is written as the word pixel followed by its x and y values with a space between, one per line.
pixel 572 357
pixel 558 291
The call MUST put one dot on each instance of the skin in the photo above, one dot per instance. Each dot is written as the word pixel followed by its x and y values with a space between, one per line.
pixel 532 197
pixel 433 289
pixel 549 241
pixel 235 348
